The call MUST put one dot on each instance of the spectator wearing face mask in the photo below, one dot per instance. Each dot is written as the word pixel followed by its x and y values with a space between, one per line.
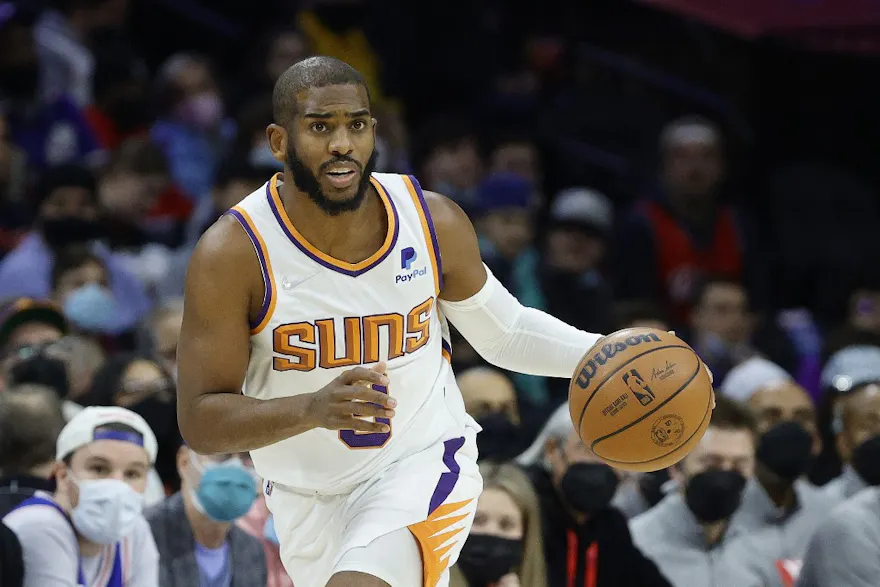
pixel 198 541
pixel 67 215
pixel 80 286
pixel 40 367
pixel 192 129
pixel 586 541
pixel 504 548
pixel 780 496
pixel 490 398
pixel 140 384
pixel 843 551
pixel 854 375
pixel 780 510
pixel 143 214
pixel 686 532
pixel 91 529
pixel 30 422
pixel 574 253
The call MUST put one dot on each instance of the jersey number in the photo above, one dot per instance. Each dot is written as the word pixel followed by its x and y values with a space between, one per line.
pixel 358 440
pixel 304 346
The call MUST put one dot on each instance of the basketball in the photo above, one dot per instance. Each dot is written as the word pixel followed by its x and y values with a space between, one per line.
pixel 640 399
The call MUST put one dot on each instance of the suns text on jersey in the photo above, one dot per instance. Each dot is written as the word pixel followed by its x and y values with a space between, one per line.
pixel 302 346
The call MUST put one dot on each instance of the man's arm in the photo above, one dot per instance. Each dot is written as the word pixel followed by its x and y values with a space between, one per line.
pixel 503 331
pixel 213 353
pixel 842 552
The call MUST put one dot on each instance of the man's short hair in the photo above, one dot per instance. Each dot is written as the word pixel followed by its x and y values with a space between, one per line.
pixel 732 415
pixel 72 258
pixel 314 72
pixel 30 422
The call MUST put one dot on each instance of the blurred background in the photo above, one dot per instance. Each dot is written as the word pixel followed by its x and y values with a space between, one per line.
pixel 696 165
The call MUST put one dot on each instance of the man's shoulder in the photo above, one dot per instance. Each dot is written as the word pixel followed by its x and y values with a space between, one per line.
pixel 37 521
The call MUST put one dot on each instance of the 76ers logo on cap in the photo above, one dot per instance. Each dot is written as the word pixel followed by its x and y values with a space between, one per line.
pixel 407 257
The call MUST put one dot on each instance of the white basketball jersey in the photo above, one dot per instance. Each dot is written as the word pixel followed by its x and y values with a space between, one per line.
pixel 321 316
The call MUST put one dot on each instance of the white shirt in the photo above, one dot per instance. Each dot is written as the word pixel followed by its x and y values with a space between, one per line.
pixel 51 551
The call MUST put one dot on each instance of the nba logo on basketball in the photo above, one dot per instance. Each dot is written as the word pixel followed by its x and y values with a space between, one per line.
pixel 407 258
pixel 638 387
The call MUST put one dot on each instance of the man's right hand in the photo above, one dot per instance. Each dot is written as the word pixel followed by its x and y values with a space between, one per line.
pixel 344 402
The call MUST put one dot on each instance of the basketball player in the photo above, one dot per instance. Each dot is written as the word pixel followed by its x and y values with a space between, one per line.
pixel 315 336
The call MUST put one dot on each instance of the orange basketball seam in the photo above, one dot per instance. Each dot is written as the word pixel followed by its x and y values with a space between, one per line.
pixel 612 374
pixel 708 412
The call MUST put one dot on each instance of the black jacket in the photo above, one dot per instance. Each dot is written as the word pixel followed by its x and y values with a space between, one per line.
pixel 599 553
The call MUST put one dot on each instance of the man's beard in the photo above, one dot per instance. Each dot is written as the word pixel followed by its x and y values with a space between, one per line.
pixel 307 182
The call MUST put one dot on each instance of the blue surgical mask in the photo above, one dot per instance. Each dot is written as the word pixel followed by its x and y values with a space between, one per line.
pixel 226 491
pixel 269 532
pixel 262 157
pixel 92 308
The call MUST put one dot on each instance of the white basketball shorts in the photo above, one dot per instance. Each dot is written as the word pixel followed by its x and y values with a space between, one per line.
pixel 405 526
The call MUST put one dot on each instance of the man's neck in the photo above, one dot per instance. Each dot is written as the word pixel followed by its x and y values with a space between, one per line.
pixel 697 211
pixel 207 532
pixel 782 494
pixel 714 531
pixel 331 234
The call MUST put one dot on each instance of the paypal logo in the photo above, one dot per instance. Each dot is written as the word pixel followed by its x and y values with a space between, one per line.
pixel 407 258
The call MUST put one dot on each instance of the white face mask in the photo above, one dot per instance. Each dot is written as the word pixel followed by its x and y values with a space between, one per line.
pixel 107 510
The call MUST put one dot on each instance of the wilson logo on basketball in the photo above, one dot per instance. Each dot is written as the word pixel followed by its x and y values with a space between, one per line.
pixel 606 352
pixel 638 387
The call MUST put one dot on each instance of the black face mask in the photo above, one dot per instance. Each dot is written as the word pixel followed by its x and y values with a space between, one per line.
pixel 588 487
pixel 499 439
pixel 486 558
pixel 42 370
pixel 651 486
pixel 714 495
pixel 61 232
pixel 161 416
pixel 866 460
pixel 786 450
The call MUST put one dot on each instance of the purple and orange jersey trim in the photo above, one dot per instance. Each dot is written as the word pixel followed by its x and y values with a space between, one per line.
pixel 418 198
pixel 446 350
pixel 350 269
pixel 270 294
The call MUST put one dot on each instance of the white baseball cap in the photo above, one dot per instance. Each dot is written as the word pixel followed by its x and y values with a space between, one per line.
pixel 85 428
pixel 851 367
pixel 583 205
pixel 747 378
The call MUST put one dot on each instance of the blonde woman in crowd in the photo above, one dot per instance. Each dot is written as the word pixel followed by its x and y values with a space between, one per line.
pixel 504 548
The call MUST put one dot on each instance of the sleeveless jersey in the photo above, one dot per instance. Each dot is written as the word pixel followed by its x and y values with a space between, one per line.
pixel 321 316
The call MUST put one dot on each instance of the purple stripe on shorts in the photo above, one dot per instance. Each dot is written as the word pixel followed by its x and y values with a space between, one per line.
pixel 322 262
pixel 427 212
pixel 449 479
pixel 264 267
pixel 446 346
